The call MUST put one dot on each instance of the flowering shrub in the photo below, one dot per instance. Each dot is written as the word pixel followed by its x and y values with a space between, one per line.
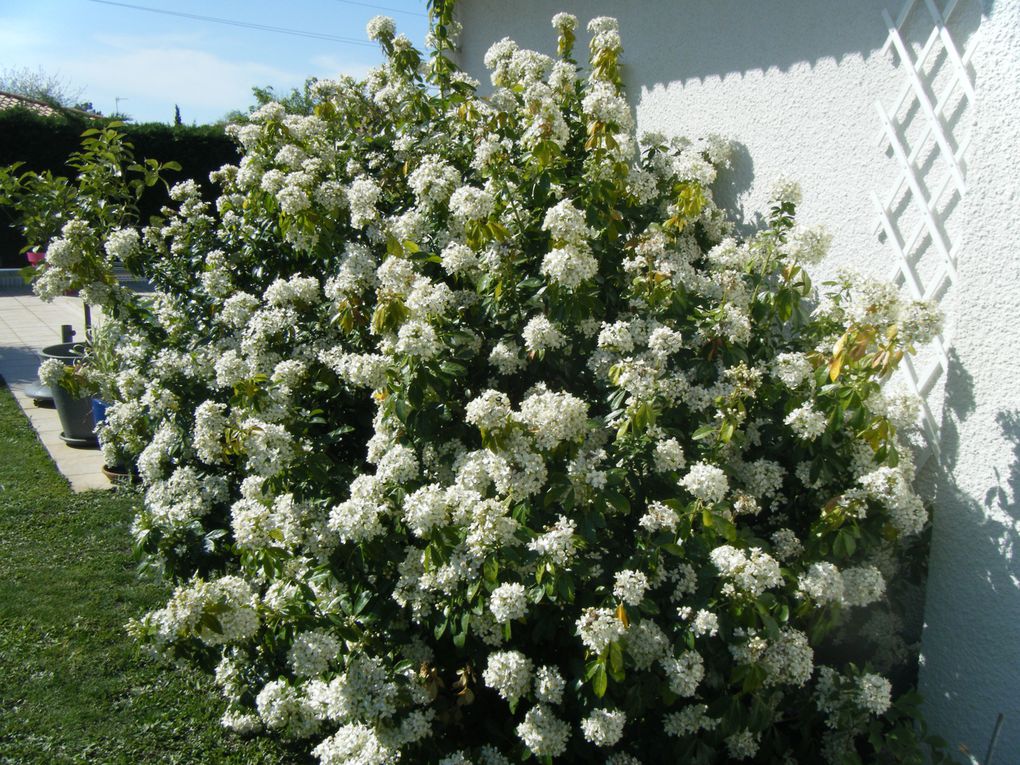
pixel 470 433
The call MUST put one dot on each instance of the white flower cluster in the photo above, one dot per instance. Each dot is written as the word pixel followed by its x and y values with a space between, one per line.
pixel 509 673
pixel 807 422
pixel 748 573
pixel 706 482
pixel 598 627
pixel 684 673
pixel 604 727
pixel 508 602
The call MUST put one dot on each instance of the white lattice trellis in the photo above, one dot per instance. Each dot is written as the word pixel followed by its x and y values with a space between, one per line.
pixel 924 233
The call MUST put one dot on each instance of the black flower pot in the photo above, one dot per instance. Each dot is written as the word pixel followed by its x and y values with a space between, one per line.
pixel 75 413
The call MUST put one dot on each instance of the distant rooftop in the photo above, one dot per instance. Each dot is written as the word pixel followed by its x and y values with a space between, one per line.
pixel 14 101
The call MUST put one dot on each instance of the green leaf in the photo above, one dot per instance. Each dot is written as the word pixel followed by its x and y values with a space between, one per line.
pixel 600 683
pixel 616 662
pixel 617 501
pixel 490 571
pixel 703 432
pixel 440 628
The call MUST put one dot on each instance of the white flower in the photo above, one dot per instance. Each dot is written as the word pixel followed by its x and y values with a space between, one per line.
pixel 508 602
pixel 705 623
pixel 51 373
pixel 874 693
pixel 669 455
pixel 786 191
pixel 296 290
pixel 509 673
pixel 604 727
pixel 862 585
pixel 789 659
pixel 684 672
pixel 564 22
pixel 489 411
pixel 543 732
pixel 616 337
pixel 689 721
pixel 808 244
pixel 360 518
pixel 380 28
pixel 748 574
pixel 506 357
pixel 806 422
pixel 604 104
pixel 786 545
pixel 433 180
pixel 458 258
pixel 665 341
pixel 360 370
pixel 312 652
pixel 566 224
pixel 417 338
pixel 242 723
pixel 598 627
pixel 706 482
pixel 646 643
pixel 540 334
pixel 470 203
pixel 630 586
pixel 425 509
pixel 792 369
pixel 354 743
pixel 284 709
pixel 549 685
pixel 553 417
pixel 920 321
pixel 601 24
pixel 659 516
pixel 362 196
pixel 557 543
pixel 822 583
pixel 742 745
pixel 122 243
pixel 569 266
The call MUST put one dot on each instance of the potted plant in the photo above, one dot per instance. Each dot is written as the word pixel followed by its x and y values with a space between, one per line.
pixel 62 371
pixel 100 366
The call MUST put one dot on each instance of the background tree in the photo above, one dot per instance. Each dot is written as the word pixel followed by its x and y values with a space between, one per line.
pixel 42 86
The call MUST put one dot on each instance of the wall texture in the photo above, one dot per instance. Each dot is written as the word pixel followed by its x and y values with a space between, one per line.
pixel 899 118
pixel 971 647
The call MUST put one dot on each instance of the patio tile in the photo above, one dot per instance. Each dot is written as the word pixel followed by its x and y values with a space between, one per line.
pixel 26 326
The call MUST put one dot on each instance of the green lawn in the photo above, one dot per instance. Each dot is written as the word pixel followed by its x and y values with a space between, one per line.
pixel 73 687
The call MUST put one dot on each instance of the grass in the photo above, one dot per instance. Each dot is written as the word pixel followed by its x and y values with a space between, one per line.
pixel 74 688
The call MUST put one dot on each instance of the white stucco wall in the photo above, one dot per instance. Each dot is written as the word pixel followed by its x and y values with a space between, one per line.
pixel 971 646
pixel 795 85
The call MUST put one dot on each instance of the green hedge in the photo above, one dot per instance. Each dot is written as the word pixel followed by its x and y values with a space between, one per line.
pixel 44 143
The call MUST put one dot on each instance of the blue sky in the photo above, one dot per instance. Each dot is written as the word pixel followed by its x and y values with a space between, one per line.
pixel 151 61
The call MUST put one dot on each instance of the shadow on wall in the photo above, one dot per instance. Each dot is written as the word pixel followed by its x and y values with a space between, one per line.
pixel 985 531
pixel 734 181
pixel 669 41
pixel 999 511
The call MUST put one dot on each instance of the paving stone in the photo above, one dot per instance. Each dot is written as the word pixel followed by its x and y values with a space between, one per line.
pixel 27 325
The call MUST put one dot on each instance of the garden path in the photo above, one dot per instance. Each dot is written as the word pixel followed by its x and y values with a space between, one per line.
pixel 27 325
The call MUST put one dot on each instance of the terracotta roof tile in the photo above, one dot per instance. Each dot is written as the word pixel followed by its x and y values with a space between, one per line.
pixel 11 101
